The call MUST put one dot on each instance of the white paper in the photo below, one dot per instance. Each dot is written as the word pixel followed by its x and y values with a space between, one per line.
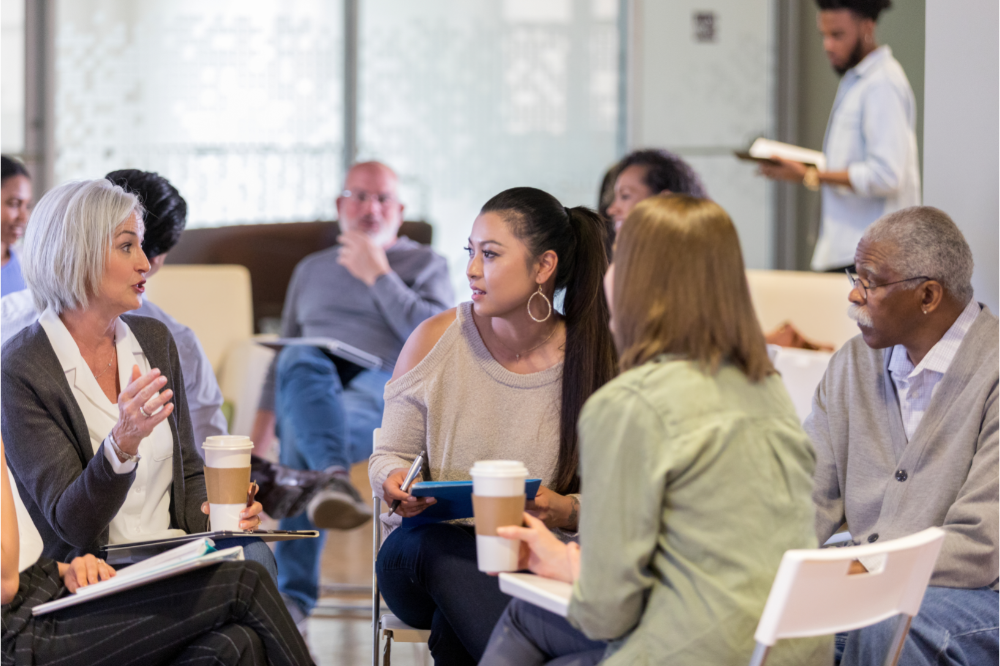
pixel 552 595
pixel 108 587
pixel 766 149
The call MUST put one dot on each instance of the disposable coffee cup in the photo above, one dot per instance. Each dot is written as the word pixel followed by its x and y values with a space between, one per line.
pixel 227 479
pixel 497 501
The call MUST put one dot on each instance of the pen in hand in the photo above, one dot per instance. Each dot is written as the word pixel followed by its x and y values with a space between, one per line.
pixel 411 476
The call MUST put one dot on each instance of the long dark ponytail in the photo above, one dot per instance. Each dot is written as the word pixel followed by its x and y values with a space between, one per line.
pixel 579 238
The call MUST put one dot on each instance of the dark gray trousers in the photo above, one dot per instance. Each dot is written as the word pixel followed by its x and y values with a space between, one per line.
pixel 526 635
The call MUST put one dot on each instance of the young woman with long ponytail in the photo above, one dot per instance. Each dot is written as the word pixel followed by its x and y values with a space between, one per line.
pixel 501 377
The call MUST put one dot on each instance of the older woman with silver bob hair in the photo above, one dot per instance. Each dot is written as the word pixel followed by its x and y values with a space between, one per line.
pixel 94 411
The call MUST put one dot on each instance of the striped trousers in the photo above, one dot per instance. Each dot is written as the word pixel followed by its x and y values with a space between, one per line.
pixel 230 613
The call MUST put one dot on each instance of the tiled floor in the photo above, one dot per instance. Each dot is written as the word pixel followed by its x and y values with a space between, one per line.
pixel 340 631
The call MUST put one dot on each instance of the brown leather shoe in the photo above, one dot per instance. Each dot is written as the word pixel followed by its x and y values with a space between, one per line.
pixel 285 492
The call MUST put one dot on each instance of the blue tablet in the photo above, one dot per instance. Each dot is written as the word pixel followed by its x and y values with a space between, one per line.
pixel 454 500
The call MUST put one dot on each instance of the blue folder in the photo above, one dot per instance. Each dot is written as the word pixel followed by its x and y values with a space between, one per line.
pixel 454 500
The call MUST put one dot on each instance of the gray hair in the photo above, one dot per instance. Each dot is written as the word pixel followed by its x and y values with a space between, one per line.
pixel 68 238
pixel 924 241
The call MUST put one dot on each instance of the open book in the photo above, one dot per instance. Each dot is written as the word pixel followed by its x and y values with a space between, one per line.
pixel 552 595
pixel 190 556
pixel 335 347
pixel 765 150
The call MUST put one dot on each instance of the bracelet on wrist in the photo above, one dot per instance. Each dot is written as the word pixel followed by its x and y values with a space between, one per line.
pixel 122 456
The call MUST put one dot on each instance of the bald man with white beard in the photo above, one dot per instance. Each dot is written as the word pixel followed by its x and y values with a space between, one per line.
pixel 370 291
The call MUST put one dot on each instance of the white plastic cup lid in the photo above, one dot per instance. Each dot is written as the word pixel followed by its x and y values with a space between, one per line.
pixel 222 442
pixel 499 468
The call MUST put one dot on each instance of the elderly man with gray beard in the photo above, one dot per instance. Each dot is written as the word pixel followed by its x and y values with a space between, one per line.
pixel 905 428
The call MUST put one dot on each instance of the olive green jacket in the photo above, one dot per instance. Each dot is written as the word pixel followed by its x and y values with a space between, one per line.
pixel 695 486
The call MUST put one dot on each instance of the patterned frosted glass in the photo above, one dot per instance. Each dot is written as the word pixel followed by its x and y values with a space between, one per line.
pixel 465 98
pixel 238 103
pixel 12 76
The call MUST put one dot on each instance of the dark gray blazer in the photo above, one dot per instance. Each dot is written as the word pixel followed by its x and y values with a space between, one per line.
pixel 71 492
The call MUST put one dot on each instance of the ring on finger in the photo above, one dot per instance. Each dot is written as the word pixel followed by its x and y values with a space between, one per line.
pixel 143 411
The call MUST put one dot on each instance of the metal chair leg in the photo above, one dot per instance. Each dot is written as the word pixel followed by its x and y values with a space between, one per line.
pixel 898 638
pixel 759 654
pixel 387 655
pixel 376 602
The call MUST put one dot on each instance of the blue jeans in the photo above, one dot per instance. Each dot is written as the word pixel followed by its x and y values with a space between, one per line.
pixel 430 580
pixel 254 550
pixel 321 424
pixel 528 636
pixel 954 626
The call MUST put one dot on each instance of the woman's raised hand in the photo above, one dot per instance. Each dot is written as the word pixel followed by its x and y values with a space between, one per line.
pixel 84 571
pixel 137 409
pixel 409 505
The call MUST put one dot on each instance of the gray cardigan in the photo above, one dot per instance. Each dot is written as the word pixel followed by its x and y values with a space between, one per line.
pixel 885 487
pixel 71 491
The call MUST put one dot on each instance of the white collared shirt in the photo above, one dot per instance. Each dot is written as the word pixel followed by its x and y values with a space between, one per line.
pixel 146 511
pixel 915 386
pixel 871 134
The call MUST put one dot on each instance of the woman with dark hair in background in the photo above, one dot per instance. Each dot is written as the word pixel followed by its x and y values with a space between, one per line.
pixel 15 190
pixel 503 376
pixel 645 173
pixel 697 458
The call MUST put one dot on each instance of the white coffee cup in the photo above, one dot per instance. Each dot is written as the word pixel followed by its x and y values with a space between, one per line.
pixel 227 477
pixel 498 479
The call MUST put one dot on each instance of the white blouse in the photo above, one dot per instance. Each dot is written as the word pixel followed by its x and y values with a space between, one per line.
pixel 146 512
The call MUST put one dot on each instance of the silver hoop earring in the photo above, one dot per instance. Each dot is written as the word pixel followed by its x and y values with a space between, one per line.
pixel 547 302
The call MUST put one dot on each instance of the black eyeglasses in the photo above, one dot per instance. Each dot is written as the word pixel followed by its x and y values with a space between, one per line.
pixel 856 283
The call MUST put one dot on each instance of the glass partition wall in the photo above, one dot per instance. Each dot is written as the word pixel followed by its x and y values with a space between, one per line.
pixel 238 103
pixel 241 104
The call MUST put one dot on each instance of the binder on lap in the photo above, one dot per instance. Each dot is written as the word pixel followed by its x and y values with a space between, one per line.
pixel 137 551
pixel 552 595
pixel 335 347
pixel 186 557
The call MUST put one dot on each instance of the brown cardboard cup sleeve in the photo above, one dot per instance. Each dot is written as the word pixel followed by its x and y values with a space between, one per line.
pixel 227 485
pixel 494 512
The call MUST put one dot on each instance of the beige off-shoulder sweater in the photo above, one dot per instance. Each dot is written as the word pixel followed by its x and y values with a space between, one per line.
pixel 460 405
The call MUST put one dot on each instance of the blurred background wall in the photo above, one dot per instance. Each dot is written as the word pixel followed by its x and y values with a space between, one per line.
pixel 253 108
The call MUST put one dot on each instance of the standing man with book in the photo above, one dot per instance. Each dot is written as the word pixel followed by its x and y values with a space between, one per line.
pixel 370 292
pixel 870 143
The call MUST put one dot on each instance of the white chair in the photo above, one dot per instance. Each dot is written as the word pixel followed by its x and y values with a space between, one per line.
pixel 214 301
pixel 241 379
pixel 815 303
pixel 388 625
pixel 30 541
pixel 815 594
pixel 801 371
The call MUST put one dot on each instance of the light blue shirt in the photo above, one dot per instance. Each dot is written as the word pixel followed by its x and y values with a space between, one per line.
pixel 916 385
pixel 871 134
pixel 11 279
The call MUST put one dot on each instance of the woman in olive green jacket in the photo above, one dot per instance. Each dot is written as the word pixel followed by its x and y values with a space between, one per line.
pixel 696 471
